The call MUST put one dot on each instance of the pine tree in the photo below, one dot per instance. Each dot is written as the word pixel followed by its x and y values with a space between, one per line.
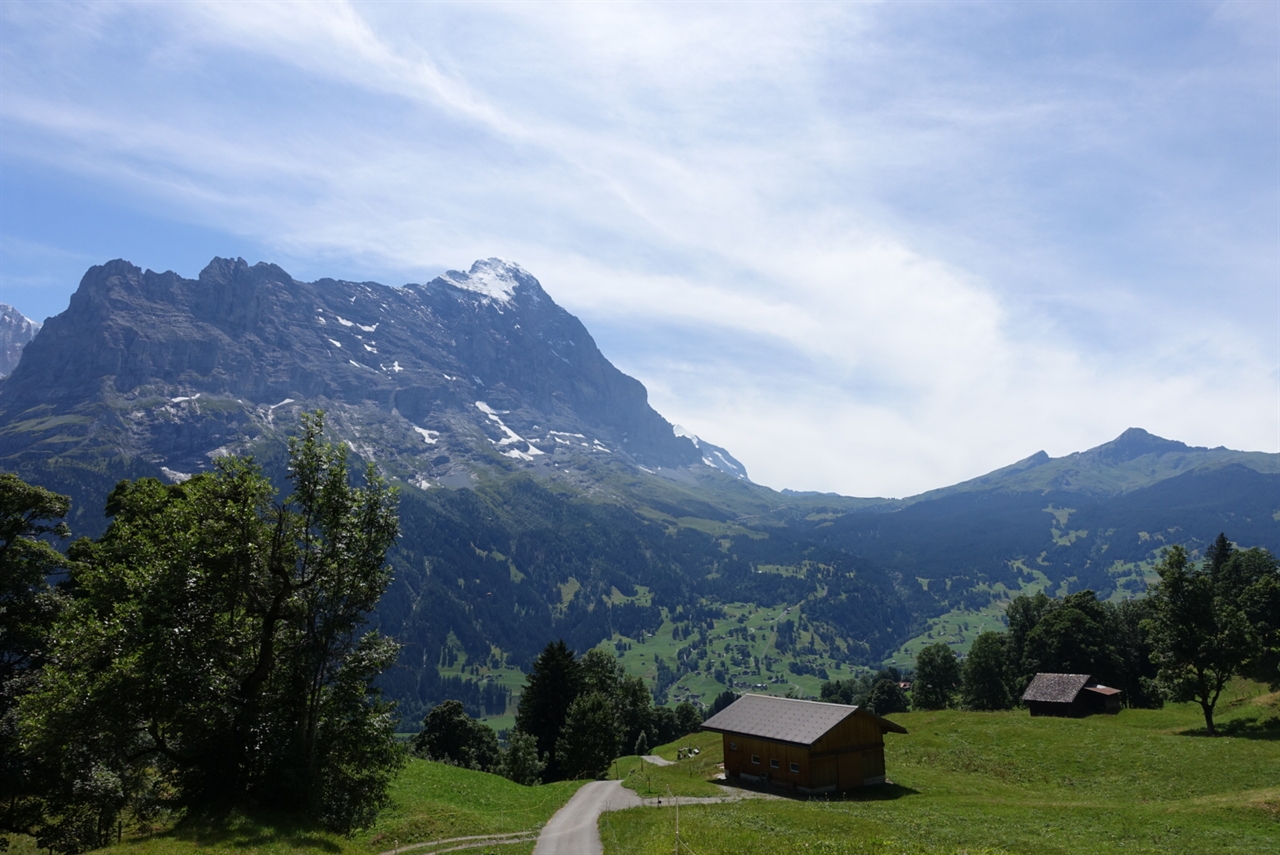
pixel 552 685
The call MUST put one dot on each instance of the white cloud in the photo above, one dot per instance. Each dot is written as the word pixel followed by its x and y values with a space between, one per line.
pixel 882 247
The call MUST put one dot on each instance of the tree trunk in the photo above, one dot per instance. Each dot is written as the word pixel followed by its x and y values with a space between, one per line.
pixel 1208 717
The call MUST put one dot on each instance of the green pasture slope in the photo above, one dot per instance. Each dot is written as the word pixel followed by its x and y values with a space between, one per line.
pixel 1144 781
pixel 431 801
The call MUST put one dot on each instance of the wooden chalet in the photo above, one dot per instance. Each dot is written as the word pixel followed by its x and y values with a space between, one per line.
pixel 1071 695
pixel 806 745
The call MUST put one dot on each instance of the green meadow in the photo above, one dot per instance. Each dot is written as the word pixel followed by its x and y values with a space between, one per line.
pixel 430 802
pixel 1143 781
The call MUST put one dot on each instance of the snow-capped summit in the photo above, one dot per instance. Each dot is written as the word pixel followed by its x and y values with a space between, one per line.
pixel 494 278
pixel 16 329
pixel 713 455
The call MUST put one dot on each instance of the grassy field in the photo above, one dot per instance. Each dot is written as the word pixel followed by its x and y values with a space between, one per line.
pixel 1143 781
pixel 431 801
pixel 685 778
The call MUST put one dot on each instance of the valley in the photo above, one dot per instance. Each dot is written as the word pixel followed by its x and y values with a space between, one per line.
pixel 541 497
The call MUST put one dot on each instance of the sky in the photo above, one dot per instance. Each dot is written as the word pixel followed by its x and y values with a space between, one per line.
pixel 869 248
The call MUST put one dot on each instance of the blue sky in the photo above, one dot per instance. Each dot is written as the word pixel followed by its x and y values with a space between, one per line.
pixel 869 248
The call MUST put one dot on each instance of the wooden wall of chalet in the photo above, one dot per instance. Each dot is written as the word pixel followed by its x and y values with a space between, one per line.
pixel 847 756
pixel 1075 709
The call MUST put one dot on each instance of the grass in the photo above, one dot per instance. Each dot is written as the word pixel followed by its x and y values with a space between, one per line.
pixel 685 778
pixel 1145 781
pixel 431 801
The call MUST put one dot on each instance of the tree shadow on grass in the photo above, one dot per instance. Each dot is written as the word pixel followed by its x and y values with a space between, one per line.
pixel 1245 727
pixel 233 829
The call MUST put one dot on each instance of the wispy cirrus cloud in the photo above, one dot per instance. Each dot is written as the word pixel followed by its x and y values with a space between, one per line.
pixel 869 248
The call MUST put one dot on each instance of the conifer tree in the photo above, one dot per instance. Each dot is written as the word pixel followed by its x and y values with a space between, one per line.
pixel 552 685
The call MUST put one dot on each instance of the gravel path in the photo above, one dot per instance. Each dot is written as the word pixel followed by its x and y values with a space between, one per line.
pixel 573 829
pixel 460 844
pixel 657 761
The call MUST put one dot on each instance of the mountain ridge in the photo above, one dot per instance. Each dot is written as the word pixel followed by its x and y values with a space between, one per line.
pixel 16 331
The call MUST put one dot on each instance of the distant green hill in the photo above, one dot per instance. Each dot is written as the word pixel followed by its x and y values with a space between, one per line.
pixel 1132 461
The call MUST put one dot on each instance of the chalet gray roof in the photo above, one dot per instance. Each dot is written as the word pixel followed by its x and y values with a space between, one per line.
pixel 1059 688
pixel 785 719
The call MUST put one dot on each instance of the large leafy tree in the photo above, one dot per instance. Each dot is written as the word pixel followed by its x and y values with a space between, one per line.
pixel 937 678
pixel 449 735
pixel 1200 635
pixel 520 761
pixel 589 740
pixel 28 607
pixel 214 650
pixel 983 674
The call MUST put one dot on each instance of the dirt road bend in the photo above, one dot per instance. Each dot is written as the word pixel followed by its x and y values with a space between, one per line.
pixel 573 829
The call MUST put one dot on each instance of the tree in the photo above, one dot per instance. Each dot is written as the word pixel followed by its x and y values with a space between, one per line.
pixel 886 697
pixel 937 678
pixel 449 735
pixel 982 685
pixel 589 740
pixel 553 683
pixel 1022 614
pixel 214 650
pixel 722 700
pixel 28 607
pixel 633 705
pixel 839 691
pixel 1213 622
pixel 1132 654
pixel 520 761
pixel 688 719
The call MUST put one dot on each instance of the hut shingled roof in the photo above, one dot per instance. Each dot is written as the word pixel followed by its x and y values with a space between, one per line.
pixel 1056 688
pixel 786 719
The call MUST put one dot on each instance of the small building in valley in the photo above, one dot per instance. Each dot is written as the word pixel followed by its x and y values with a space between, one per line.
pixel 806 745
pixel 1072 695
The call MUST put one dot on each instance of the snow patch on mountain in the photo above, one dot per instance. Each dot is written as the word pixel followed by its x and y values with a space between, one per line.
pixel 713 455
pixel 510 437
pixel 493 278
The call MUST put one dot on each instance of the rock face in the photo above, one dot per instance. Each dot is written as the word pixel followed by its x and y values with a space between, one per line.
pixel 16 329
pixel 435 381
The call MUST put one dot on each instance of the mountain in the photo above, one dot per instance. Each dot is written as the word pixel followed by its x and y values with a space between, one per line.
pixel 439 382
pixel 15 331
pixel 1132 461
pixel 542 497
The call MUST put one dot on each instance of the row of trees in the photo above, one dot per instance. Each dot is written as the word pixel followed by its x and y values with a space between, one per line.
pixel 208 651
pixel 1199 627
pixel 574 717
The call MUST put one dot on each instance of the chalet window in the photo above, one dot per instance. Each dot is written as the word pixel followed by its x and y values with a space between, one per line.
pixel 795 768
pixel 755 758
pixel 773 764
pixel 733 746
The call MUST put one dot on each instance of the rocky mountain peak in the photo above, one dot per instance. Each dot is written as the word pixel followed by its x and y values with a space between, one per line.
pixel 1135 443
pixel 435 381
pixel 16 329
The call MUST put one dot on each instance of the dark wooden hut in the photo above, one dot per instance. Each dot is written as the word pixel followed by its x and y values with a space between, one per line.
pixel 1072 695
pixel 806 745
